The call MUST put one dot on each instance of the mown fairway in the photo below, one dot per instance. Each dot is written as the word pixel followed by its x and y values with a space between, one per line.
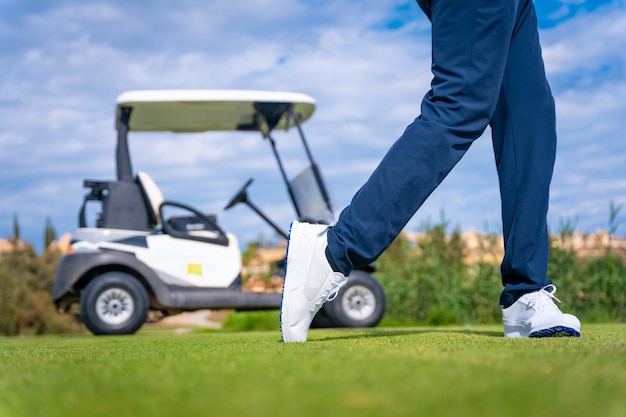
pixel 375 372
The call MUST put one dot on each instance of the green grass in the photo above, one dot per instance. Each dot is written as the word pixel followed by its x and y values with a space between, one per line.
pixel 415 371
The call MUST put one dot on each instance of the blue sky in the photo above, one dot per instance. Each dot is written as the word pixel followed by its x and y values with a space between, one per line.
pixel 366 62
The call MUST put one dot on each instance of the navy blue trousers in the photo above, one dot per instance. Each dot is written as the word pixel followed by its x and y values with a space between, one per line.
pixel 487 71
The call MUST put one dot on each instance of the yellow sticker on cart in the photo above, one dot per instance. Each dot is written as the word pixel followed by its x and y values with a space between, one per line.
pixel 194 269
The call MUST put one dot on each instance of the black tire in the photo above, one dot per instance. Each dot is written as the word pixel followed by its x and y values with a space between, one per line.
pixel 114 303
pixel 321 319
pixel 360 303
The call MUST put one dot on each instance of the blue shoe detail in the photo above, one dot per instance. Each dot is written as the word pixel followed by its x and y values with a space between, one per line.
pixel 556 331
pixel 282 295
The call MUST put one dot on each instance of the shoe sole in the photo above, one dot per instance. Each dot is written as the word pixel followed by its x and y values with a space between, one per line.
pixel 556 331
pixel 292 271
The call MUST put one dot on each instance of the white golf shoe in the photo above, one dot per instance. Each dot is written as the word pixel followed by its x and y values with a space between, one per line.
pixel 536 315
pixel 309 280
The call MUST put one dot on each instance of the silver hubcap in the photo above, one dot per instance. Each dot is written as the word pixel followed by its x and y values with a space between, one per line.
pixel 358 302
pixel 114 306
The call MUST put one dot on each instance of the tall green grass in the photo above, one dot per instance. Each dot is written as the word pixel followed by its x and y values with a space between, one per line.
pixel 433 282
pixel 417 371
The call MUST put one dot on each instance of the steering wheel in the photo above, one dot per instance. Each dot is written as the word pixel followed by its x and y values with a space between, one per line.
pixel 240 196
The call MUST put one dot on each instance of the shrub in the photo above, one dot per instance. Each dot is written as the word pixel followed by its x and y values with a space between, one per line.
pixel 25 293
pixel 433 283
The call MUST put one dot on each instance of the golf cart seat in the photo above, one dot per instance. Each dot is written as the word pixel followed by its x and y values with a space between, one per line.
pixel 153 196
pixel 192 225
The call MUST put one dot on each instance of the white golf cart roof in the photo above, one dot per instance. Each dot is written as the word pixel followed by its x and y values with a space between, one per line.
pixel 207 110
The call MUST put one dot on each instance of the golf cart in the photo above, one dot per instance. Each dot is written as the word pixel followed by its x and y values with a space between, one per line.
pixel 143 253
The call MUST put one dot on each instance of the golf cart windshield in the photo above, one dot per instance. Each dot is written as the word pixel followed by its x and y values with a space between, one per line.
pixel 309 197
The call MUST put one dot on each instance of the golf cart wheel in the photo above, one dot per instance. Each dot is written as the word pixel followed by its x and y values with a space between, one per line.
pixel 114 303
pixel 321 319
pixel 360 303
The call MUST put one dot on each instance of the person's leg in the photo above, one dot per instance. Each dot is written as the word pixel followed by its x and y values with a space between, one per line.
pixel 470 41
pixel 524 140
pixel 470 45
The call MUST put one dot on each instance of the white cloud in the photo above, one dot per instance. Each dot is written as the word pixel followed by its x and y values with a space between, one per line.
pixel 586 43
pixel 65 64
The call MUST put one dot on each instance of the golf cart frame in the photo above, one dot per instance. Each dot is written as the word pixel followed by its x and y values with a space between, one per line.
pixel 125 264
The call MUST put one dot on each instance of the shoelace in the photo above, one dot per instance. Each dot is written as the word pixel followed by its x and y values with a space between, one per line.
pixel 544 298
pixel 330 292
